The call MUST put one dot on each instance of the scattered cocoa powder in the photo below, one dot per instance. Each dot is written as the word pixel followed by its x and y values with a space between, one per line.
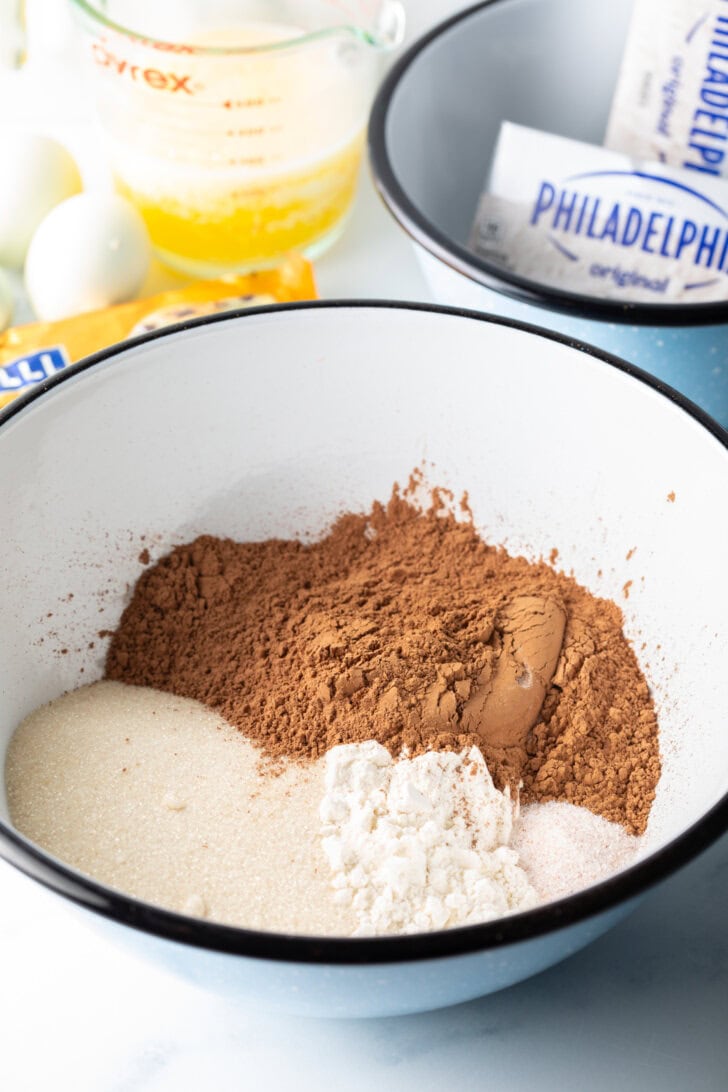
pixel 402 625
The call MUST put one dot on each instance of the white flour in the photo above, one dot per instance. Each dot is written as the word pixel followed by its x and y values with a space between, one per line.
pixel 419 843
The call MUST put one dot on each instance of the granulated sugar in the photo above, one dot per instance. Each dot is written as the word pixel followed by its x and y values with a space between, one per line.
pixel 564 848
pixel 159 797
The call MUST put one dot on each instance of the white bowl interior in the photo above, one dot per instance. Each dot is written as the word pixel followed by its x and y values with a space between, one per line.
pixel 547 64
pixel 271 424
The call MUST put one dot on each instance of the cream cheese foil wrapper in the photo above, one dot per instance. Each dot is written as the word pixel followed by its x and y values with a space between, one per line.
pixel 671 99
pixel 593 221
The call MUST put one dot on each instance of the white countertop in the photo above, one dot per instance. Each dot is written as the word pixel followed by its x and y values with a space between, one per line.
pixel 645 1007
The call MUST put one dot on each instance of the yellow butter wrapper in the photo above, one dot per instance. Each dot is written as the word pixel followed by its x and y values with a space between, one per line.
pixel 30 354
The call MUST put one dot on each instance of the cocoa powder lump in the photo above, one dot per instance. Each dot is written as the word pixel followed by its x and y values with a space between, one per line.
pixel 402 625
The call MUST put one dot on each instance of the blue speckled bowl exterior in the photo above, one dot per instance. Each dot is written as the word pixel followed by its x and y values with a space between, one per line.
pixel 361 990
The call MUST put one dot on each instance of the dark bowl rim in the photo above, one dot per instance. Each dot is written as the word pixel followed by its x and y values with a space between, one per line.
pixel 542 920
pixel 464 261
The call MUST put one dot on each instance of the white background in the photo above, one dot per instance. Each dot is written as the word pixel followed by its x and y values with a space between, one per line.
pixel 646 1007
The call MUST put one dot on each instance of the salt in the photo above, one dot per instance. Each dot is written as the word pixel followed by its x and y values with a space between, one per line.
pixel 563 848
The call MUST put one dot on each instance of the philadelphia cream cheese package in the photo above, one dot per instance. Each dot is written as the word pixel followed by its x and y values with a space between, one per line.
pixel 671 100
pixel 593 221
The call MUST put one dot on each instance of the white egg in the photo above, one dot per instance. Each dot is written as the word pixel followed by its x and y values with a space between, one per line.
pixel 37 174
pixel 90 252
pixel 6 301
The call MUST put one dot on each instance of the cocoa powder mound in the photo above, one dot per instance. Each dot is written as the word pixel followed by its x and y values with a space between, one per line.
pixel 403 626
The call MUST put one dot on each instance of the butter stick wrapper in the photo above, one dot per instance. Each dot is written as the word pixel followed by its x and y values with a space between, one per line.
pixel 32 353
pixel 595 222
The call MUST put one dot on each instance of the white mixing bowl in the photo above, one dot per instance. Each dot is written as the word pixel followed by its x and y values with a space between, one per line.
pixel 269 423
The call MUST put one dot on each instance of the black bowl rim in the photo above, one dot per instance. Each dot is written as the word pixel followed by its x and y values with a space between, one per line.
pixel 472 939
pixel 465 262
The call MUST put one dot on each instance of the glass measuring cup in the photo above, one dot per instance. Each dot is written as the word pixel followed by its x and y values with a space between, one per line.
pixel 236 127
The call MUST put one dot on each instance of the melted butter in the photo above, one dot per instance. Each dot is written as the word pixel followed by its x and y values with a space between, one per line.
pixel 254 224
pixel 272 168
